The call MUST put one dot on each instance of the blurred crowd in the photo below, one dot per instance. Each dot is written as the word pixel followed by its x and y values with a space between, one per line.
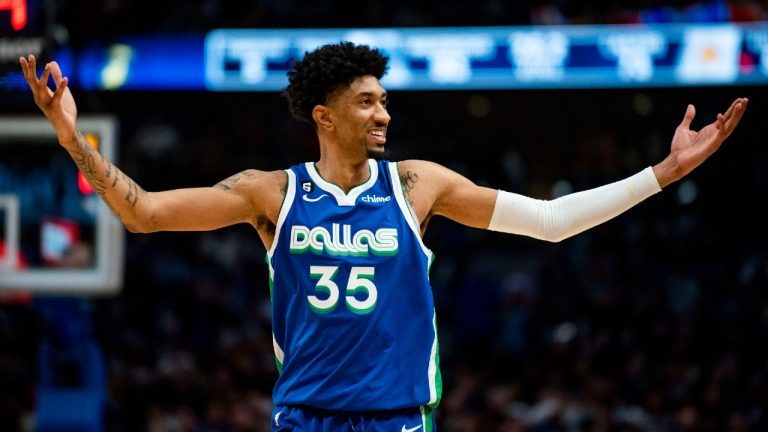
pixel 652 322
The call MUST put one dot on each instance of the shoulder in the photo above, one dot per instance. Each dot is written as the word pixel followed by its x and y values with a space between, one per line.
pixel 418 167
pixel 261 191
pixel 423 183
pixel 433 189
pixel 431 180
pixel 431 172
pixel 250 179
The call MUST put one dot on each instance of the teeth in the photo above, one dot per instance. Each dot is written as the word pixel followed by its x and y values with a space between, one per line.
pixel 377 133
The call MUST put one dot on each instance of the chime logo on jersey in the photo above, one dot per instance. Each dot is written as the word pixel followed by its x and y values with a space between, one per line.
pixel 340 240
pixel 375 199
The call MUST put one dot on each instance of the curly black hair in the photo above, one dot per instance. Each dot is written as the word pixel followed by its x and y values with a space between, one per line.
pixel 327 69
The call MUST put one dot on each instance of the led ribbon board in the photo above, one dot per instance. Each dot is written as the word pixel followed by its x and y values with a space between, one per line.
pixel 508 57
pixel 533 57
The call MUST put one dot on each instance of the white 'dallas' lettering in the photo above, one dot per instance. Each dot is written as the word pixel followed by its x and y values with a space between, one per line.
pixel 340 240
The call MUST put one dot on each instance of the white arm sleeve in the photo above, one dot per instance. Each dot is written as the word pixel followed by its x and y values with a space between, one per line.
pixel 571 214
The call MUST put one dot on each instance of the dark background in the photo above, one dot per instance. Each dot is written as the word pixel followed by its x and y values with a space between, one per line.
pixel 654 321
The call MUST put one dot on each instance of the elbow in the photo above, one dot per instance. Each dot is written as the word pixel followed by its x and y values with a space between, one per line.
pixel 141 226
pixel 555 234
pixel 556 226
pixel 133 229
pixel 136 229
pixel 554 237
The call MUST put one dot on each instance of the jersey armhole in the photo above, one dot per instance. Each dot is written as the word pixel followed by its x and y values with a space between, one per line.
pixel 405 208
pixel 285 207
pixel 397 185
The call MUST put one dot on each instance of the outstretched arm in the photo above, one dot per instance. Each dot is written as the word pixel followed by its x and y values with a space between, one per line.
pixel 440 191
pixel 434 189
pixel 231 201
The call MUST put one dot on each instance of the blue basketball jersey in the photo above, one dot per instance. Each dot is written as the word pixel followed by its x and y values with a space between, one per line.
pixel 353 314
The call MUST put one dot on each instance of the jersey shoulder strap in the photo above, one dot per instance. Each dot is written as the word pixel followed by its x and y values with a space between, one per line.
pixel 290 194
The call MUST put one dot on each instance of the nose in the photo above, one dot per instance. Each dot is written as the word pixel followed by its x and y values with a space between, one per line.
pixel 381 115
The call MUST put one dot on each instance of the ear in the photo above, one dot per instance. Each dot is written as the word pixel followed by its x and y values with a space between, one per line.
pixel 323 117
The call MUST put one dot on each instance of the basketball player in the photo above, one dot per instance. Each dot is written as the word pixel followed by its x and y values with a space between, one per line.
pixel 353 315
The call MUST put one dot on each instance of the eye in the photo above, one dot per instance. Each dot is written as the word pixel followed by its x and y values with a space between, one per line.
pixel 365 101
pixel 384 102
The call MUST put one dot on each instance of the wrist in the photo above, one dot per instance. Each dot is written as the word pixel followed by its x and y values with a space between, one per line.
pixel 667 172
pixel 70 139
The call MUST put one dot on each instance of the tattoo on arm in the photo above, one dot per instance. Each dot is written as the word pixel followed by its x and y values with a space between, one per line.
pixel 231 181
pixel 408 180
pixel 108 169
pixel 84 156
pixel 133 191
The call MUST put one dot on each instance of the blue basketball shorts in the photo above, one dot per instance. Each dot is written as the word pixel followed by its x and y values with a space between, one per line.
pixel 306 419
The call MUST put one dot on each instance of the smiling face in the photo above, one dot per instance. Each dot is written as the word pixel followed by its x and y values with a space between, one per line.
pixel 360 116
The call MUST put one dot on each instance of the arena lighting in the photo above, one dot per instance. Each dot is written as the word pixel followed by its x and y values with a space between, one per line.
pixel 24 29
pixel 18 9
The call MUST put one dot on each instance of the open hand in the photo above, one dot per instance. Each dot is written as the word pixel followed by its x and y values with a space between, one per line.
pixel 59 105
pixel 690 148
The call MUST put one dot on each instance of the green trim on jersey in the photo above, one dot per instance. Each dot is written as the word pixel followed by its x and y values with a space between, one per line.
pixel 438 380
pixel 270 276
pixel 429 265
pixel 427 418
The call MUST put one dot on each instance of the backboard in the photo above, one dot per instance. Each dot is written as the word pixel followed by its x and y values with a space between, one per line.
pixel 57 237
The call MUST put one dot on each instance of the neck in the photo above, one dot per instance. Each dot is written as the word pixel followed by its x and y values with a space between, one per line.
pixel 343 169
